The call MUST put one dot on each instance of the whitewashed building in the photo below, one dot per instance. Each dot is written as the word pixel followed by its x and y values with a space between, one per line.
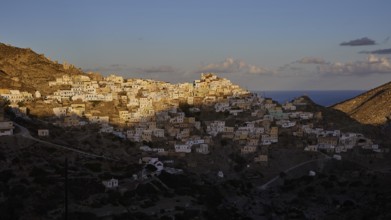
pixel 110 184
pixel 43 132
pixel 182 148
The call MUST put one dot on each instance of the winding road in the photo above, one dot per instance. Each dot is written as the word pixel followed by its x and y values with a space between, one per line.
pixel 265 185
pixel 24 132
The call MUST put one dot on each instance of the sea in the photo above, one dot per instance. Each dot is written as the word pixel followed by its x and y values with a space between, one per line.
pixel 321 97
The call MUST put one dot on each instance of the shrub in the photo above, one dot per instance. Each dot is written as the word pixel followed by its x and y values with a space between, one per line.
pixel 94 167
pixel 38 172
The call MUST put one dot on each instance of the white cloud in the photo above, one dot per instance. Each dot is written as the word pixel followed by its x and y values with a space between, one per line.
pixel 125 69
pixel 230 65
pixel 372 65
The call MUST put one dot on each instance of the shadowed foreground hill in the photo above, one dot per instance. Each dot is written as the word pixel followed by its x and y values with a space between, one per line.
pixel 372 107
pixel 24 69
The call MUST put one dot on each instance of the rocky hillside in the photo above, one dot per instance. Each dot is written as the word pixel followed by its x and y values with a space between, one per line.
pixel 372 107
pixel 334 119
pixel 23 68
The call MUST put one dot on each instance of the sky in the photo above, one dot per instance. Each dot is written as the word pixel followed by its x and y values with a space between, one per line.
pixel 260 45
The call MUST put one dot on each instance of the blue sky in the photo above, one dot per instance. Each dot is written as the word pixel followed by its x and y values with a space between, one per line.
pixel 261 45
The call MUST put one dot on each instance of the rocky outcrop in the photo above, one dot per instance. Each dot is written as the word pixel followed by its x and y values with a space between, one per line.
pixel 23 68
pixel 372 107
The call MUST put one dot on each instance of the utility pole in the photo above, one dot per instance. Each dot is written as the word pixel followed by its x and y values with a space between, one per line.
pixel 66 189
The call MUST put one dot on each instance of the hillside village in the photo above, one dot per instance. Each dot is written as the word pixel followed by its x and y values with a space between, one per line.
pixel 147 148
pixel 168 116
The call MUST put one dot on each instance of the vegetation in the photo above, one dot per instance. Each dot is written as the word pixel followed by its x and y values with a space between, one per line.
pixel 94 167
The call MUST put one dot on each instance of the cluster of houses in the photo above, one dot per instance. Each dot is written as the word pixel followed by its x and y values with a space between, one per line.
pixel 16 96
pixel 337 142
pixel 148 111
pixel 152 168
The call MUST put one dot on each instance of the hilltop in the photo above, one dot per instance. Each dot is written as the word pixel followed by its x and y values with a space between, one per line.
pixel 22 68
pixel 372 107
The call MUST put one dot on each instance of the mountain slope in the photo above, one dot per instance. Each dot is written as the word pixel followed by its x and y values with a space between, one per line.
pixel 23 68
pixel 372 107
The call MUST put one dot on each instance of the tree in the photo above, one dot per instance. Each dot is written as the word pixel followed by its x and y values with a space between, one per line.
pixel 151 168
pixel 223 142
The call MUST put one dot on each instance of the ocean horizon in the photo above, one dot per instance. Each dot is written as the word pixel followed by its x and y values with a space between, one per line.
pixel 321 97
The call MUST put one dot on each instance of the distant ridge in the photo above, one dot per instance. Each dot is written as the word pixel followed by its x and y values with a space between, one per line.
pixel 371 107
pixel 321 97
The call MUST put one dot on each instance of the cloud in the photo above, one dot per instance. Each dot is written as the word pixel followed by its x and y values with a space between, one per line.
pixel 296 68
pixel 311 60
pixel 382 51
pixel 159 69
pixel 372 65
pixel 230 65
pixel 122 68
pixel 359 42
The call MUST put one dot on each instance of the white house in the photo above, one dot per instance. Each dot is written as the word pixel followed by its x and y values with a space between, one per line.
pixel 145 148
pixel 235 112
pixel 16 96
pixel 43 132
pixel 348 140
pixel 337 157
pixel 203 149
pixel 262 158
pixel 311 148
pixel 222 106
pixel 306 115
pixel 266 140
pixel 158 132
pixel 289 107
pixel 158 150
pixel 259 130
pixel 98 119
pixel 110 184
pixel 182 148
pixel 248 149
pixel 215 127
pixel 37 94
pixel 106 128
pixel 288 124
pixel 158 164
pixel 146 135
pixel 60 111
